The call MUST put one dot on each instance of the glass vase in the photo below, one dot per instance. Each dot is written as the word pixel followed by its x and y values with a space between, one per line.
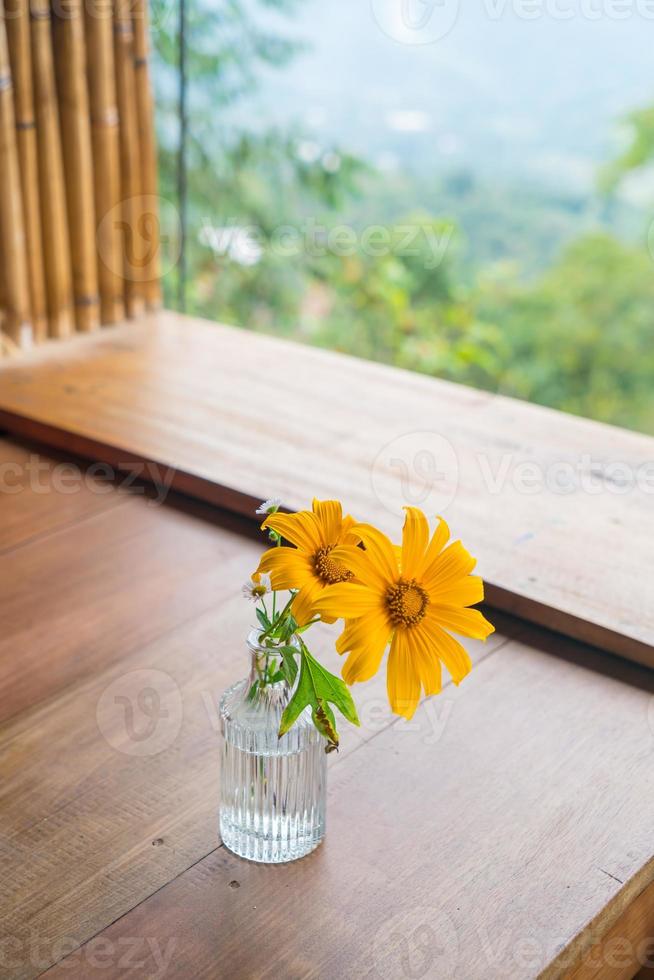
pixel 272 790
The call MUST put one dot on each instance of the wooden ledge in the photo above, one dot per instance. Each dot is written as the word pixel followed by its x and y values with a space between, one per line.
pixel 559 509
pixel 504 832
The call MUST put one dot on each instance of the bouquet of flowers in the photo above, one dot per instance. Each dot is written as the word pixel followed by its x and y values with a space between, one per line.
pixel 407 597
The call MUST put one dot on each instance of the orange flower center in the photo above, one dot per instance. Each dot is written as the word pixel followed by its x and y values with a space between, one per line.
pixel 329 570
pixel 406 603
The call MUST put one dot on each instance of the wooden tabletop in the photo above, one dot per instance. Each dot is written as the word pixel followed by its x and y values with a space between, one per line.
pixel 559 510
pixel 500 834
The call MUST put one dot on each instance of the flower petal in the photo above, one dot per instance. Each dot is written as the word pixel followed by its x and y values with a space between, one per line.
pixel 403 682
pixel 303 607
pixel 367 638
pixel 381 551
pixel 452 564
pixel 347 601
pixel 329 517
pixel 465 622
pixel 288 568
pixel 415 538
pixel 463 592
pixel 300 529
pixel 439 539
pixel 450 651
pixel 358 631
pixel 425 660
pixel 348 535
pixel 359 562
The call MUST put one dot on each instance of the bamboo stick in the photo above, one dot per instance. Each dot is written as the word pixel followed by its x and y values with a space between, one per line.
pixel 8 347
pixel 20 56
pixel 149 183
pixel 70 64
pixel 130 160
pixel 106 156
pixel 54 222
pixel 13 255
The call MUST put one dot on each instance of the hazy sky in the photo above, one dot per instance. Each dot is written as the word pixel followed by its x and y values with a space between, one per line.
pixel 510 85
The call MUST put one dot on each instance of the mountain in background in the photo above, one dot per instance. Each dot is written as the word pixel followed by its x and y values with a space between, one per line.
pixel 540 99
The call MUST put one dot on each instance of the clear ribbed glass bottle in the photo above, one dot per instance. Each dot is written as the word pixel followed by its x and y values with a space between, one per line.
pixel 272 790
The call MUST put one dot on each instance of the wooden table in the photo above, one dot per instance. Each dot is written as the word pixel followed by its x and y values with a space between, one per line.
pixel 559 510
pixel 501 834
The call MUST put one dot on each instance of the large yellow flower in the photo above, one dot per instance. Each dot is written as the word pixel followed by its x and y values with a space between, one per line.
pixel 410 597
pixel 309 566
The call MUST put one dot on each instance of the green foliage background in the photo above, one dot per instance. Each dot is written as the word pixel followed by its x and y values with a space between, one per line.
pixel 549 298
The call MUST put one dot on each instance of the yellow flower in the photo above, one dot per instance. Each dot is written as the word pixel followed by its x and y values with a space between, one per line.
pixel 410 598
pixel 309 566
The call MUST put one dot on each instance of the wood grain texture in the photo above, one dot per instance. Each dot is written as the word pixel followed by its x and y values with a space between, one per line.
pixel 80 808
pixel 40 494
pixel 205 400
pixel 501 833
pixel 492 845
pixel 627 947
pixel 105 586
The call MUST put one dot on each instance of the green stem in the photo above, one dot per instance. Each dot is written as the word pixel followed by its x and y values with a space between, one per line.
pixel 277 621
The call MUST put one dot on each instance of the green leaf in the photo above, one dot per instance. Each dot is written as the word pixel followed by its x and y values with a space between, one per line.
pixel 263 619
pixel 289 664
pixel 317 688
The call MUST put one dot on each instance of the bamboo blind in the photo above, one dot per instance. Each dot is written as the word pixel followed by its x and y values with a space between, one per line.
pixel 79 227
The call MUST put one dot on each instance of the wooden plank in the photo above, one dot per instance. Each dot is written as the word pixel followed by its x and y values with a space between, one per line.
pixel 626 948
pixel 103 588
pixel 40 494
pixel 494 847
pixel 80 804
pixel 205 400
